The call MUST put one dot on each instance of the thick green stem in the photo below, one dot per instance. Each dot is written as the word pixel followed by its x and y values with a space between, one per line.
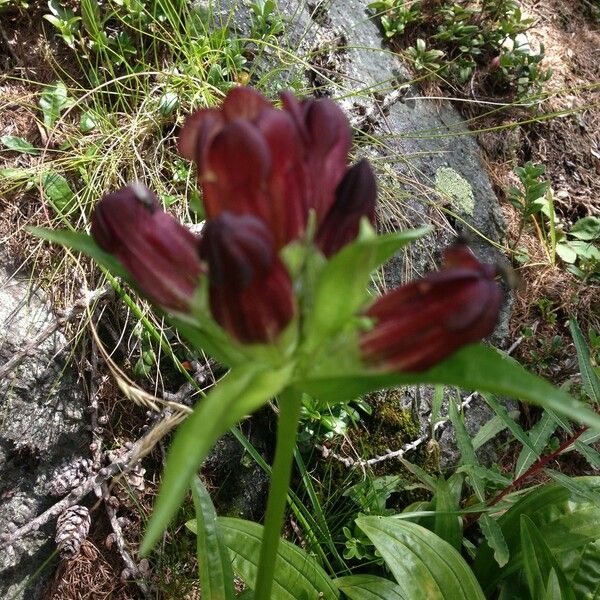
pixel 289 415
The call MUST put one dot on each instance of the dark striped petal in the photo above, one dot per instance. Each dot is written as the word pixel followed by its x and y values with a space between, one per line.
pixel 160 254
pixel 354 199
pixel 250 290
pixel 420 324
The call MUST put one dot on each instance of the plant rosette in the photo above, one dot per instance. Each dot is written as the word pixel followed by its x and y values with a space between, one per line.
pixel 277 288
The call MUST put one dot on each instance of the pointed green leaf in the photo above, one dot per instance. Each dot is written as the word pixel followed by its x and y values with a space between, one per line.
pixel 539 562
pixel 436 404
pixel 342 285
pixel 565 524
pixel 591 381
pixel 298 576
pixel 474 367
pixel 240 393
pixel 80 242
pixel 539 435
pixel 425 478
pixel 424 565
pixel 369 587
pixel 495 539
pixel 576 488
pixel 511 425
pixel 490 429
pixel 214 563
pixel 553 587
pixel 591 455
pixel 468 457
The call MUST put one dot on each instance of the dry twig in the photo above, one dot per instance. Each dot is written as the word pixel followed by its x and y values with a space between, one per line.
pixel 123 464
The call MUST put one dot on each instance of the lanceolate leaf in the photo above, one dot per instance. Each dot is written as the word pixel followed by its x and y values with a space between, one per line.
pixel 297 575
pixel 240 393
pixel 591 455
pixel 565 524
pixel 490 429
pixel 512 426
pixel 369 587
pixel 539 435
pixel 468 456
pixel 495 539
pixel 214 564
pixel 424 565
pixel 342 285
pixel 576 488
pixel 591 381
pixel 553 587
pixel 80 242
pixel 475 367
pixel 539 563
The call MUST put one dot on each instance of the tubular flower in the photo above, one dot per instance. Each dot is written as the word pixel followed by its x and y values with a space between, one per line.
pixel 354 199
pixel 420 324
pixel 160 254
pixel 274 164
pixel 250 290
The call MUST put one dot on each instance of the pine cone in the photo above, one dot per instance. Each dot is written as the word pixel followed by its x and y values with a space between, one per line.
pixel 67 477
pixel 71 530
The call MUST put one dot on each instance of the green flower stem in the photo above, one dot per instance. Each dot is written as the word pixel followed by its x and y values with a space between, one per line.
pixel 287 426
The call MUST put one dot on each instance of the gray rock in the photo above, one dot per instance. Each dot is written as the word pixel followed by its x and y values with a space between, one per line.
pixel 42 425
pixel 240 486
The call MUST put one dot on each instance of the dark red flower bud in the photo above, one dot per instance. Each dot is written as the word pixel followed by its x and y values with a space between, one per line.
pixel 420 324
pixel 274 164
pixel 160 254
pixel 354 199
pixel 250 289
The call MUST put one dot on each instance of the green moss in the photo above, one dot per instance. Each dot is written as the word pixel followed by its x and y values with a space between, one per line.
pixel 389 427
pixel 455 188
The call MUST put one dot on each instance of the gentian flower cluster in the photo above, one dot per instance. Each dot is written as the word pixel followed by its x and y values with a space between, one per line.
pixel 263 172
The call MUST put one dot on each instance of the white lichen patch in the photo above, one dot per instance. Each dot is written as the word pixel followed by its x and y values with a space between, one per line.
pixel 455 188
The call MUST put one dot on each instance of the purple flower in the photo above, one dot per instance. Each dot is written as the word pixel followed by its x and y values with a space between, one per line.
pixel 354 199
pixel 420 324
pixel 160 254
pixel 250 290
pixel 274 164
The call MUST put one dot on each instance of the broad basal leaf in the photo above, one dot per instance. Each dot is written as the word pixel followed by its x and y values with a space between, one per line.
pixel 298 576
pixel 424 565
